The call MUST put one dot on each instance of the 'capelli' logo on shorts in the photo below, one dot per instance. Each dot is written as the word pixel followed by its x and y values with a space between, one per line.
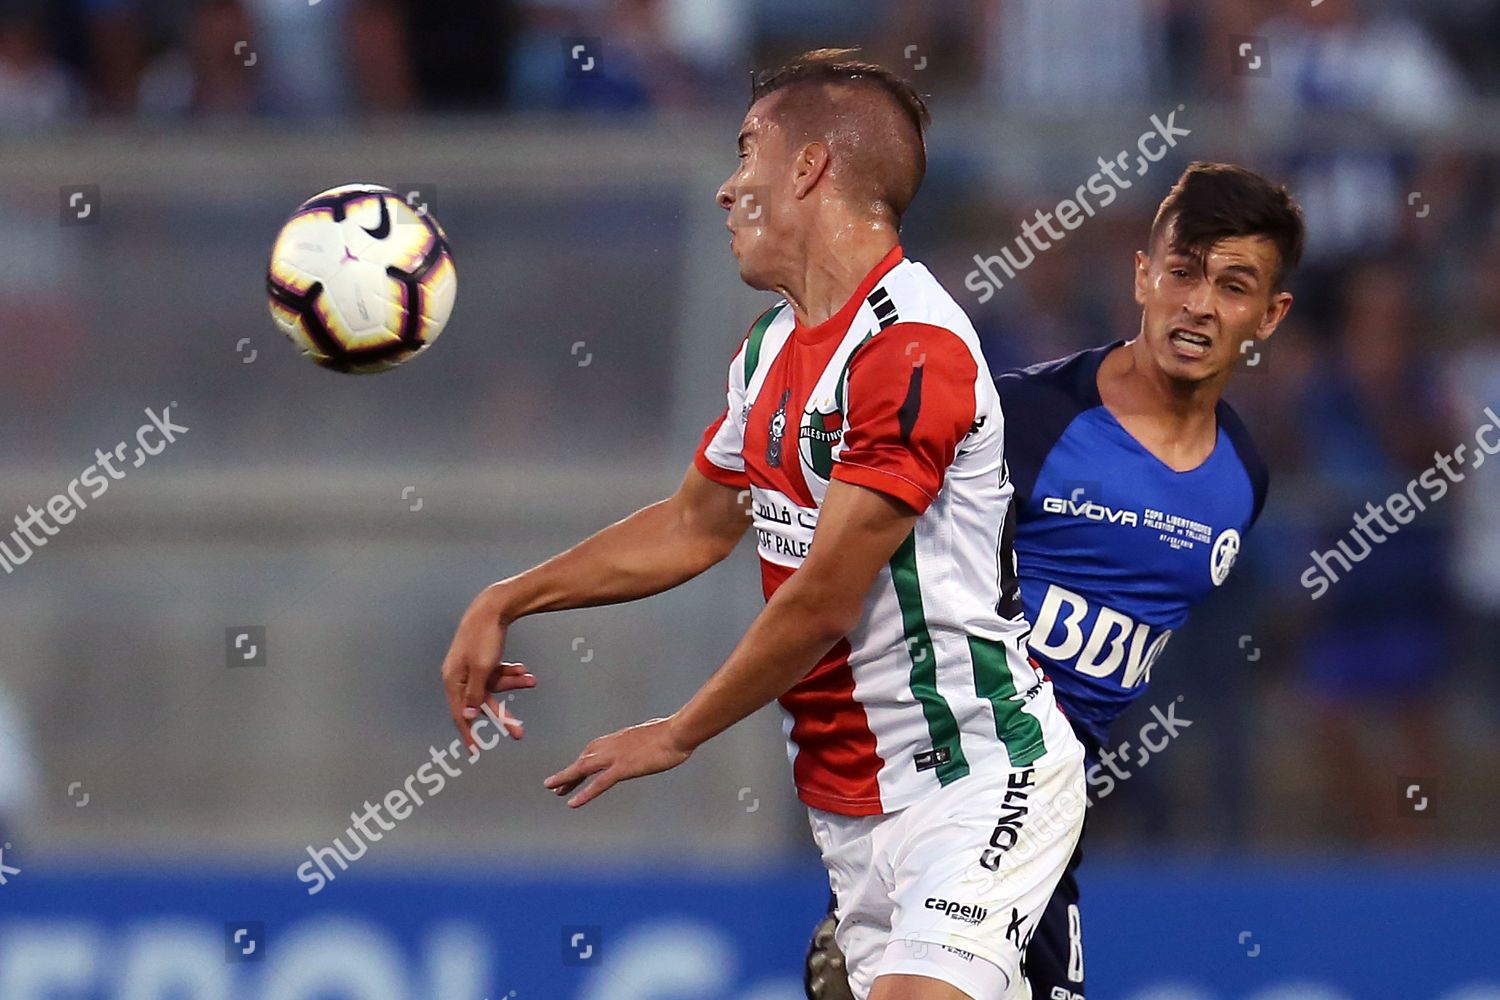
pixel 968 913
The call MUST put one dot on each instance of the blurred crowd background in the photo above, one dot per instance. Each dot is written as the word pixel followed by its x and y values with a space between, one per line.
pixel 154 58
pixel 574 147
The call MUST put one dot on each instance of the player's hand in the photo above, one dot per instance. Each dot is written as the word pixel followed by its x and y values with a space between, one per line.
pixel 648 748
pixel 473 672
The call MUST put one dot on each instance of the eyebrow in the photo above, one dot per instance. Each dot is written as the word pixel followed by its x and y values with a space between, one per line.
pixel 1246 269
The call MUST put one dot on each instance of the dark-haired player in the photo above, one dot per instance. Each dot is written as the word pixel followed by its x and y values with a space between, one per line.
pixel 1135 485
pixel 864 422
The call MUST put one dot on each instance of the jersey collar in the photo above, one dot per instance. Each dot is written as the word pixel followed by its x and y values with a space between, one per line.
pixel 838 323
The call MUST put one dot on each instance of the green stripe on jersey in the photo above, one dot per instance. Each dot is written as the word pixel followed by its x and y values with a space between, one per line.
pixel 1020 732
pixel 942 727
pixel 838 387
pixel 758 334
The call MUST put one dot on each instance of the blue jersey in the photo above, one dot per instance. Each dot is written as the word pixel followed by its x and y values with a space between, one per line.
pixel 1112 546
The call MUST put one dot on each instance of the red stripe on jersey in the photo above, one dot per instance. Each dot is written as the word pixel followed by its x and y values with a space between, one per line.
pixel 837 765
pixel 786 389
pixel 790 382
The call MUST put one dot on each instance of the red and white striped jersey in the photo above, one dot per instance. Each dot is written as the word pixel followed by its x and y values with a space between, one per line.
pixel 892 394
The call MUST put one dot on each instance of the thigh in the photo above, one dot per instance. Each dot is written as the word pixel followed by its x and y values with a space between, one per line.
pixel 924 972
pixel 934 983
pixel 1054 958
pixel 973 871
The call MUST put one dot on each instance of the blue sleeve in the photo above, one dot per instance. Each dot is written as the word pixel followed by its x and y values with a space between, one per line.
pixel 1038 404
pixel 1244 447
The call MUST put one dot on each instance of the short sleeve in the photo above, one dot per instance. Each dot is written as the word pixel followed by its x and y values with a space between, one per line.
pixel 720 454
pixel 910 402
pixel 1250 457
pixel 1048 409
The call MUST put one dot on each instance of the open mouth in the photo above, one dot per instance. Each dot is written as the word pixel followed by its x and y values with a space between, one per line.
pixel 1190 342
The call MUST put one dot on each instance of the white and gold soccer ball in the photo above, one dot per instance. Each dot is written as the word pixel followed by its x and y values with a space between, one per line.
pixel 359 280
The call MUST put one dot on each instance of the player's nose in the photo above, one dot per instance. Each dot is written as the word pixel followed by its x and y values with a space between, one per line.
pixel 1199 301
pixel 725 197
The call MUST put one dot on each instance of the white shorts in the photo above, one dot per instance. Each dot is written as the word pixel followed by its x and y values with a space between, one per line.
pixel 952 886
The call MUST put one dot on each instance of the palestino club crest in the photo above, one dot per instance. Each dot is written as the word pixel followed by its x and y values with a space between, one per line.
pixel 821 430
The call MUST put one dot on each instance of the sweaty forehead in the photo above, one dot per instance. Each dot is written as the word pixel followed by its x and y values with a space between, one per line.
pixel 758 122
pixel 804 111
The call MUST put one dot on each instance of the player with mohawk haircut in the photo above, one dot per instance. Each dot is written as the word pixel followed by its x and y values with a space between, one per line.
pixel 862 420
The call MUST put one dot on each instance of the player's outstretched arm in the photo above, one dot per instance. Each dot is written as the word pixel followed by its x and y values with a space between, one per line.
pixel 652 550
pixel 858 531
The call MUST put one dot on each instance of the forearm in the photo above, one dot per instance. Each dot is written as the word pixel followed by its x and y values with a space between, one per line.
pixel 786 640
pixel 652 550
pixel 817 605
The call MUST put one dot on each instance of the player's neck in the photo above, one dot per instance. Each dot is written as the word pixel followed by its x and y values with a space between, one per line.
pixel 833 262
pixel 1176 422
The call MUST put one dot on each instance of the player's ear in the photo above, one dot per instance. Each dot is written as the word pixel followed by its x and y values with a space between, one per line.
pixel 1281 304
pixel 1142 276
pixel 808 167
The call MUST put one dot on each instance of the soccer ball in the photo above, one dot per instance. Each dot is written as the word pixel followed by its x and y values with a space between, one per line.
pixel 359 280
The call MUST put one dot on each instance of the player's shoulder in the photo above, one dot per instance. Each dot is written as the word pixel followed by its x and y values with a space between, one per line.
pixel 1056 391
pixel 778 310
pixel 911 296
pixel 916 322
pixel 1040 402
pixel 1249 456
pixel 748 355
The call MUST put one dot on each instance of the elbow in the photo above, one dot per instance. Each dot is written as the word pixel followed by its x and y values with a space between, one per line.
pixel 845 621
pixel 826 616
pixel 712 549
pixel 722 545
pixel 706 542
pixel 830 628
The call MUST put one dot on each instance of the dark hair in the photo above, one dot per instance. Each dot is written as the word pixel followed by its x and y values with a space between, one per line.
pixel 1214 201
pixel 894 158
pixel 822 66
